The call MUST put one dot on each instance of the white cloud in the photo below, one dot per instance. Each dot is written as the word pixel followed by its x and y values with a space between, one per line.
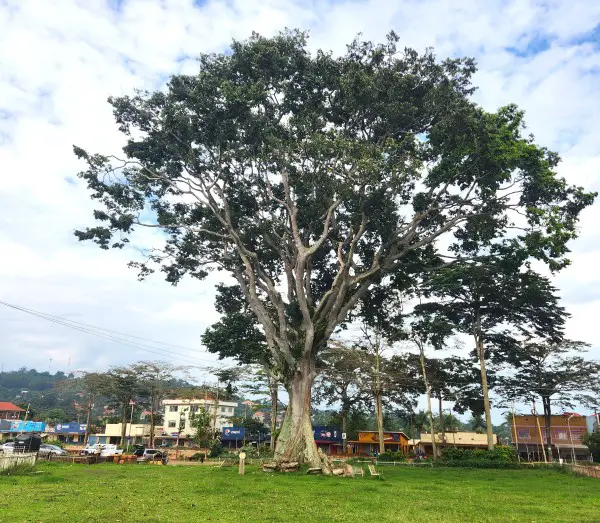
pixel 60 60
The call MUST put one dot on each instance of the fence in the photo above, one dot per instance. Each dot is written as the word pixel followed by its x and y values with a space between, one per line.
pixel 12 460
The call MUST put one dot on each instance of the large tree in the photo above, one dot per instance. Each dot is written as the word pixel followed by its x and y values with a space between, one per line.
pixel 312 179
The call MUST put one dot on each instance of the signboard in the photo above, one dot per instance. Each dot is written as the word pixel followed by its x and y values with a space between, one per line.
pixel 373 437
pixel 232 433
pixel 343 435
pixel 327 433
pixel 70 428
pixel 21 426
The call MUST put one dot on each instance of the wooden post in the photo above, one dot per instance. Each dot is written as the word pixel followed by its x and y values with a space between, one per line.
pixel 537 420
pixel 242 463
pixel 516 436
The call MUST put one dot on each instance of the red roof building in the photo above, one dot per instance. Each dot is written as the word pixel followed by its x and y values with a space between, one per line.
pixel 9 410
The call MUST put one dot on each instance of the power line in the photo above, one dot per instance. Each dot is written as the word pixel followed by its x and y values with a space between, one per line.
pixel 91 329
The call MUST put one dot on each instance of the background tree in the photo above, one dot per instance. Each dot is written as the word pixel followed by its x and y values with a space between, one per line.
pixel 155 380
pixel 122 387
pixel 340 381
pixel 311 179
pixel 553 372
pixel 484 299
pixel 237 335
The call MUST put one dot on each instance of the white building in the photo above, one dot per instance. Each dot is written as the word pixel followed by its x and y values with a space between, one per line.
pixel 177 414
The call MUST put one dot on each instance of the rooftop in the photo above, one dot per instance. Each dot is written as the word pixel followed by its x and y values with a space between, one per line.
pixel 7 406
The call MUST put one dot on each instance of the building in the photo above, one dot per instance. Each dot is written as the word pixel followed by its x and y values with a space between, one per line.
pixel 10 411
pixel 178 414
pixel 464 440
pixel 367 443
pixel 566 436
pixel 329 439
pixel 134 433
pixel 72 432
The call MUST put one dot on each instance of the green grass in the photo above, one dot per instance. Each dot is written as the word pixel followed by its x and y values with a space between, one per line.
pixel 128 493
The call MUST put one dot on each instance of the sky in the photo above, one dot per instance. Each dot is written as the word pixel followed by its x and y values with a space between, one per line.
pixel 60 60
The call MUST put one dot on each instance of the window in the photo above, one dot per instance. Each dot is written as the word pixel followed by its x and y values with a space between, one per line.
pixel 193 409
pixel 173 408
pixel 561 434
pixel 171 424
pixel 223 410
pixel 231 410
pixel 577 434
pixel 524 433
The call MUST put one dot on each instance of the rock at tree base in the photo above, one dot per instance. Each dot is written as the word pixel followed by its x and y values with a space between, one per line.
pixel 269 467
pixel 316 470
pixel 284 466
pixel 289 466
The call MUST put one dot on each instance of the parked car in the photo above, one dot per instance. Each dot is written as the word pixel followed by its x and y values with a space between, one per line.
pixel 144 455
pixel 51 450
pixel 8 447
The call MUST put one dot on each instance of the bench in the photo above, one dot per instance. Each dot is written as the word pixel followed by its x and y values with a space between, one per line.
pixel 374 473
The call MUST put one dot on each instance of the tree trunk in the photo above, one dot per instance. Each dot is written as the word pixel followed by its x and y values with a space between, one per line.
pixel 484 383
pixel 379 415
pixel 88 419
pixel 124 422
pixel 296 442
pixel 442 427
pixel 151 422
pixel 548 423
pixel 273 385
pixel 344 429
pixel 428 394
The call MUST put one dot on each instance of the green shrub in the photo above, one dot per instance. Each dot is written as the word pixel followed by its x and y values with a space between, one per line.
pixel 500 454
pixel 391 456
pixel 215 450
pixel 56 442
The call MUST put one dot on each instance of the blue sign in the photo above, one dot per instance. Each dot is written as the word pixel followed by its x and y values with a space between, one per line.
pixel 232 433
pixel 27 426
pixel 327 433
pixel 70 428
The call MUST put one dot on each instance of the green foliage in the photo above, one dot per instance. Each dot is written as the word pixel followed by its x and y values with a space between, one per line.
pixel 329 177
pixel 215 450
pixel 501 457
pixel 391 456
pixel 202 421
pixel 592 440
pixel 55 442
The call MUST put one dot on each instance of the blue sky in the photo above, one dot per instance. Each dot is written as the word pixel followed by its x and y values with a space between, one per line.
pixel 60 60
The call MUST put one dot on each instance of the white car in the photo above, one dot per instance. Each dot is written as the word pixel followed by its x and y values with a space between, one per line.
pixel 8 448
pixel 51 450
pixel 103 449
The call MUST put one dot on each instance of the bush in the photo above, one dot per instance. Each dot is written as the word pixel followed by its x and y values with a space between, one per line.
pixel 215 450
pixel 500 454
pixel 391 456
pixel 199 456
pixel 592 440
pixel 55 442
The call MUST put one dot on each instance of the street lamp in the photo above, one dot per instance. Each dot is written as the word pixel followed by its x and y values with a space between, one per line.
pixel 571 437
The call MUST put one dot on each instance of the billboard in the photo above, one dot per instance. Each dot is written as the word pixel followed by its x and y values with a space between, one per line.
pixel 232 433
pixel 322 433
pixel 70 428
pixel 22 426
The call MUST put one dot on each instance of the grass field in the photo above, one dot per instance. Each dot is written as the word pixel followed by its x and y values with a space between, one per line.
pixel 129 493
